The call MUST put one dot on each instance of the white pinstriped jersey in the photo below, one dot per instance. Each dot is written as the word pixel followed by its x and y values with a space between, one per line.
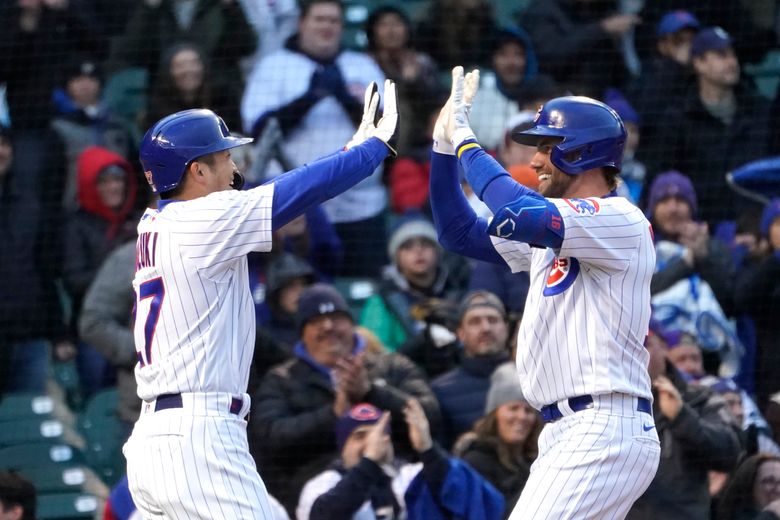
pixel 195 321
pixel 588 306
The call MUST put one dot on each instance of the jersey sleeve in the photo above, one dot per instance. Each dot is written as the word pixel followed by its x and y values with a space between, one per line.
pixel 606 233
pixel 222 226
pixel 517 255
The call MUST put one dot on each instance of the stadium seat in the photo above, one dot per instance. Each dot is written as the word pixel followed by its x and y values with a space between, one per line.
pixel 104 436
pixel 36 429
pixel 356 291
pixel 14 407
pixel 39 454
pixel 67 506
pixel 62 478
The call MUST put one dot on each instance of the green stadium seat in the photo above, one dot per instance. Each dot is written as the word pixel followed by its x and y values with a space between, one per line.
pixel 125 91
pixel 36 429
pixel 104 436
pixel 14 407
pixel 356 291
pixel 39 454
pixel 67 506
pixel 62 478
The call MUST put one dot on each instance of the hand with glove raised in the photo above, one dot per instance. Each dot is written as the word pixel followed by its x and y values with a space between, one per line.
pixel 453 121
pixel 387 126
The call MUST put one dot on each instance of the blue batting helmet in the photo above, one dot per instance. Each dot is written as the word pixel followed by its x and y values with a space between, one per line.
pixel 591 134
pixel 177 140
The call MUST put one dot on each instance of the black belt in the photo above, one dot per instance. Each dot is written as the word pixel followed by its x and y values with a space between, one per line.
pixel 167 401
pixel 552 413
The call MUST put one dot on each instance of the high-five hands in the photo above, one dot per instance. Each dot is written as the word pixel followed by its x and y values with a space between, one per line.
pixel 452 126
pixel 387 126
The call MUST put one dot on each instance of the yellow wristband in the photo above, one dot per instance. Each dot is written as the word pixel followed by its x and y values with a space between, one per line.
pixel 465 147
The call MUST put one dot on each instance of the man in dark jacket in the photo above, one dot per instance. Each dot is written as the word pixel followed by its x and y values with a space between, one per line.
pixel 568 33
pixel 696 434
pixel 298 402
pixel 482 332
pixel 720 125
pixel 758 293
pixel 30 315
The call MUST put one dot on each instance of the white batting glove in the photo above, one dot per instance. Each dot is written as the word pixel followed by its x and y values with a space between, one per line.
pixel 463 91
pixel 445 127
pixel 387 126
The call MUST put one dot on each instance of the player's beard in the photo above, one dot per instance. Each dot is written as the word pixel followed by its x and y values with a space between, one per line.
pixel 557 186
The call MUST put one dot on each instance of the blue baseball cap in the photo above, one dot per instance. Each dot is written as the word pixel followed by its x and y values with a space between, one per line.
pixel 710 39
pixel 678 20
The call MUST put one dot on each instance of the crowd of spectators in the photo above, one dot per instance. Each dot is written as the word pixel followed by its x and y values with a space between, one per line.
pixel 411 393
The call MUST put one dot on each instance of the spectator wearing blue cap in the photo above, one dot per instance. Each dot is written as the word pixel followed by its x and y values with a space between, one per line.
pixel 720 124
pixel 758 293
pixel 298 401
pixel 666 72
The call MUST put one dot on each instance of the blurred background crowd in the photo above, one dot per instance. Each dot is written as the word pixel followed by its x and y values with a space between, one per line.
pixel 427 335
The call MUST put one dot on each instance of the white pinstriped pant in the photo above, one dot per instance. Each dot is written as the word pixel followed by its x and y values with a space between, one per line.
pixel 194 463
pixel 592 464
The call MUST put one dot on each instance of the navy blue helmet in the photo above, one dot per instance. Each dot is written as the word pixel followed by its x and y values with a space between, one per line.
pixel 177 140
pixel 591 134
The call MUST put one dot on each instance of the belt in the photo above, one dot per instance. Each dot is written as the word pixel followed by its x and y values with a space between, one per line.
pixel 552 413
pixel 166 401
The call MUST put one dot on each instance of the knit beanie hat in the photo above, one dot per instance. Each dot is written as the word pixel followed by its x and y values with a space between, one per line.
pixel 359 415
pixel 504 387
pixel 412 226
pixel 671 184
pixel 319 299
pixel 771 212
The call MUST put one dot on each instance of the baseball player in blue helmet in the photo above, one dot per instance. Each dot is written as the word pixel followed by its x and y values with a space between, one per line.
pixel 194 315
pixel 177 140
pixel 581 359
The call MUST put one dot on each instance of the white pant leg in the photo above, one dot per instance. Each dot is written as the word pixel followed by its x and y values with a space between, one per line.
pixel 592 465
pixel 188 466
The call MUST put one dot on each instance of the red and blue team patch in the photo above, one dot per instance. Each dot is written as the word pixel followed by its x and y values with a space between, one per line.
pixel 562 275
pixel 584 206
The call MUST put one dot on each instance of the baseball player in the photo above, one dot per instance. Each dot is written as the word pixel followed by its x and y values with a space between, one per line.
pixel 580 354
pixel 194 320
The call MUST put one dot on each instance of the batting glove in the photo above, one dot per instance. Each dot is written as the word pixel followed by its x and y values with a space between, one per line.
pixel 463 91
pixel 445 127
pixel 387 126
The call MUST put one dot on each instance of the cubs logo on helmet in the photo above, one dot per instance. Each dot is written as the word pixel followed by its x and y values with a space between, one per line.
pixel 562 275
pixel 584 206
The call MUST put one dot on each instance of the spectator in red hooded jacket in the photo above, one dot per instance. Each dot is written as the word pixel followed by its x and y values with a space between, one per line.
pixel 107 191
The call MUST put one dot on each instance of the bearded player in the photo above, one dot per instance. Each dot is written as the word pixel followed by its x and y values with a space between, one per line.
pixel 194 320
pixel 580 355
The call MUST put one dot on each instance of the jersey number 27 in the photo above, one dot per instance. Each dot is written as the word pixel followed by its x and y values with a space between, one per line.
pixel 154 289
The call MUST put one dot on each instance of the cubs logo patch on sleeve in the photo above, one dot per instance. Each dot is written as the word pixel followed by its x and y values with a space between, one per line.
pixel 584 206
pixel 562 274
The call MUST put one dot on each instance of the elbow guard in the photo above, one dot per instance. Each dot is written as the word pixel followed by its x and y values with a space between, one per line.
pixel 531 219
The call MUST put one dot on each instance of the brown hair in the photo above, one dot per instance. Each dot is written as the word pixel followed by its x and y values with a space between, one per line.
pixel 511 457
pixel 738 494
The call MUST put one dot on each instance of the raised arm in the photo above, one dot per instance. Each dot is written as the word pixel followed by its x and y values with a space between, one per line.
pixel 459 228
pixel 521 214
pixel 311 184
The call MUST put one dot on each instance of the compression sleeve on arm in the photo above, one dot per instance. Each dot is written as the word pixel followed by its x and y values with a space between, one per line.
pixel 521 214
pixel 459 228
pixel 314 183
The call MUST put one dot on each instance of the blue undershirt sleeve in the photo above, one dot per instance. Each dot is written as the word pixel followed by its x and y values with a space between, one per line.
pixel 521 214
pixel 314 183
pixel 459 228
